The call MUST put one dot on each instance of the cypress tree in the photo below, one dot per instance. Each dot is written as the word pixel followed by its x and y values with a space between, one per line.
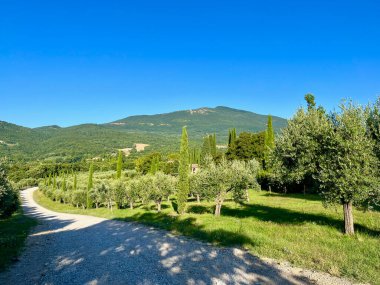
pixel 75 182
pixel 206 150
pixel 233 139
pixel 49 180
pixel 212 142
pixel 119 165
pixel 54 183
pixel 269 140
pixel 89 186
pixel 63 187
pixel 184 183
pixel 154 165
pixel 269 135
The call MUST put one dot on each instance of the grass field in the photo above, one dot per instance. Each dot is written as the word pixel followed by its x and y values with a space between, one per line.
pixel 13 232
pixel 294 228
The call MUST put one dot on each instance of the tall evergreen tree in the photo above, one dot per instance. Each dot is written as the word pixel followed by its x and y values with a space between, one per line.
pixel 89 186
pixel 119 165
pixel 206 150
pixel 231 137
pixel 184 173
pixel 269 141
pixel 75 186
pixel 154 165
pixel 54 183
pixel 212 139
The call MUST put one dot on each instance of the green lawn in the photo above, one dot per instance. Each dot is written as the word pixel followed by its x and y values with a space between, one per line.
pixel 295 228
pixel 13 232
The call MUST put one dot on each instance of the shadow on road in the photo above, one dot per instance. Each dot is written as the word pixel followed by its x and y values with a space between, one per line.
pixel 70 249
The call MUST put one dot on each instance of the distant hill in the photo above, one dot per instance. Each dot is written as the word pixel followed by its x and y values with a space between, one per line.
pixel 160 131
pixel 200 122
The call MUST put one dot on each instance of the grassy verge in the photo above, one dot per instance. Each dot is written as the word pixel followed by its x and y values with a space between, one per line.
pixel 295 228
pixel 13 232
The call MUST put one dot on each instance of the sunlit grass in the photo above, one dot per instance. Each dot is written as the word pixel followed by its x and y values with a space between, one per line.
pixel 294 228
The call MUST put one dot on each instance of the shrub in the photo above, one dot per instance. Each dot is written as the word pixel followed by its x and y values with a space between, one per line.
pixel 9 201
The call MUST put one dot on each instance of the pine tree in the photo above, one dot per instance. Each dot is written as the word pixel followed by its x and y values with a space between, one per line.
pixel 184 183
pixel 89 186
pixel 119 165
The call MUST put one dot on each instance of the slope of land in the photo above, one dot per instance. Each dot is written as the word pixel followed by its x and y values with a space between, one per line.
pixel 161 132
pixel 200 121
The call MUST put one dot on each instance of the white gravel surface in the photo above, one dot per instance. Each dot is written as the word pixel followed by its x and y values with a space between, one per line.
pixel 76 249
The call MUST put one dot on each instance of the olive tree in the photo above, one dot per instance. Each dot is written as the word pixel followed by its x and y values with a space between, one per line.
pixel 295 156
pixel 348 166
pixel 216 181
pixel 99 193
pixel 133 191
pixel 118 192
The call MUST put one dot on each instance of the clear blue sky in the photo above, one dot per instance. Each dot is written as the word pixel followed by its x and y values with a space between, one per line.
pixel 70 62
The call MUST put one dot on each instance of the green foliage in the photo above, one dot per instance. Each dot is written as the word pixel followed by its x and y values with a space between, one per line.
pixel 310 100
pixel 298 147
pixel 348 170
pixel 9 201
pixel 247 146
pixel 215 181
pixel 89 186
pixel 184 172
pixel 269 142
pixel 373 125
pixel 160 186
pixel 148 163
pixel 231 138
pixel 332 153
pixel 154 165
pixel 206 148
pixel 119 164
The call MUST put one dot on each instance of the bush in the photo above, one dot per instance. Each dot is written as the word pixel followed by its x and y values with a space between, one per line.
pixel 9 201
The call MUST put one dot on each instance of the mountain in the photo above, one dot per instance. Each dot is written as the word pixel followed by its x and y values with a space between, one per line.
pixel 161 132
pixel 200 122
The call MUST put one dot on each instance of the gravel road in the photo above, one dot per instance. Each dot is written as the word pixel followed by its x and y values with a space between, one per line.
pixel 75 249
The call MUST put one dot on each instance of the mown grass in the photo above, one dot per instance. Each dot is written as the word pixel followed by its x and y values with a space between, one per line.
pixel 13 232
pixel 294 228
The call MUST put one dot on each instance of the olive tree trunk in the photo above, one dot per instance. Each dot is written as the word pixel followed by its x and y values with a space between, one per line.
pixel 158 203
pixel 131 205
pixel 198 199
pixel 218 207
pixel 348 218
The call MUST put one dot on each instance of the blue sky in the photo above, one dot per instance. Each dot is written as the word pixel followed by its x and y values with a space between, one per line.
pixel 70 62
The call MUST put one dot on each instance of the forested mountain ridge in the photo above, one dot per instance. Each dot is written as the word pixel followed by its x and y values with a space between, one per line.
pixel 161 132
pixel 200 121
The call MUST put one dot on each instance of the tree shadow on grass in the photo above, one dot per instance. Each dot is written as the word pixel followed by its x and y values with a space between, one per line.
pixel 309 197
pixel 285 216
pixel 189 227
